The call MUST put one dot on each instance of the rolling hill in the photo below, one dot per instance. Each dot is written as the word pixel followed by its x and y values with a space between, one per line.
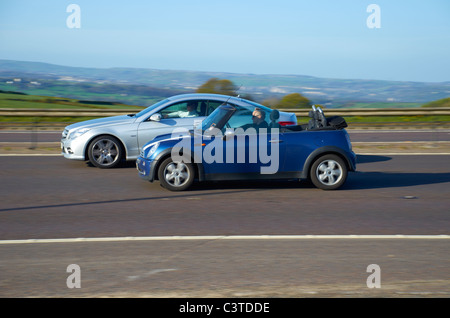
pixel 142 86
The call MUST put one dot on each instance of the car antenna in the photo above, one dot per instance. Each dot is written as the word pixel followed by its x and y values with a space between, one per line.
pixel 235 92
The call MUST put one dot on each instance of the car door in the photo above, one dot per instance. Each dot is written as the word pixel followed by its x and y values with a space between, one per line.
pixel 257 152
pixel 298 146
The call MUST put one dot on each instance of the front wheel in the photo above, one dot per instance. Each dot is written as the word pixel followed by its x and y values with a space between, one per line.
pixel 176 176
pixel 328 172
pixel 105 152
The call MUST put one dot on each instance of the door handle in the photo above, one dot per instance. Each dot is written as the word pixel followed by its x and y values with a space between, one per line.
pixel 276 141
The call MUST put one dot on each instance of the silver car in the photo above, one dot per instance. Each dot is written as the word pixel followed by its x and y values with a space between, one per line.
pixel 106 142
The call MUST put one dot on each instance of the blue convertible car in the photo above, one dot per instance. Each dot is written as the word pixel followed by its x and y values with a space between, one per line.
pixel 247 143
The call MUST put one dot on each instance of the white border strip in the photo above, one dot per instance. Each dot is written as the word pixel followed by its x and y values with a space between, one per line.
pixel 390 131
pixel 223 237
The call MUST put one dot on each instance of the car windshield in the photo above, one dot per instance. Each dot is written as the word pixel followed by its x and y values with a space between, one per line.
pixel 150 108
pixel 218 117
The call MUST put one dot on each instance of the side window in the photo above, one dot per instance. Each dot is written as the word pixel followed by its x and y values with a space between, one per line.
pixel 181 110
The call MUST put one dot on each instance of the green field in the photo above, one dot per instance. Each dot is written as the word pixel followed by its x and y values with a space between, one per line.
pixel 14 100
pixel 23 101
pixel 126 94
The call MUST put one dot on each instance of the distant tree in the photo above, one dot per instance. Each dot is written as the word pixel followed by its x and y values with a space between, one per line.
pixel 271 102
pixel 294 100
pixel 445 102
pixel 218 86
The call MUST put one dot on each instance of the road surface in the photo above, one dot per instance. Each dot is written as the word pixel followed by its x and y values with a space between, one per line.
pixel 131 238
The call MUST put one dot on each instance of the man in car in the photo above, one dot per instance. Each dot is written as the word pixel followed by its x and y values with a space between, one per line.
pixel 259 119
pixel 190 111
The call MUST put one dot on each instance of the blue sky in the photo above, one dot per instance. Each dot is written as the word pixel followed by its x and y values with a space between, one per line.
pixel 324 38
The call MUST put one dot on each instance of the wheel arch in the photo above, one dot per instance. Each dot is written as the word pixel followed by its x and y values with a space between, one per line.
pixel 327 150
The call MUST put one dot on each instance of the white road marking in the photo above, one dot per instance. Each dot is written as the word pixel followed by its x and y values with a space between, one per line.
pixel 153 272
pixel 409 142
pixel 30 154
pixel 225 237
pixel 390 131
pixel 31 131
pixel 20 143
pixel 404 153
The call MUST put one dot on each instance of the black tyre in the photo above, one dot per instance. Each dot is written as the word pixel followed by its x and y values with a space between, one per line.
pixel 176 176
pixel 105 152
pixel 328 172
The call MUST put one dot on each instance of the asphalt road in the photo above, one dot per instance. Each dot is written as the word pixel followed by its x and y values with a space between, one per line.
pixel 54 198
pixel 50 197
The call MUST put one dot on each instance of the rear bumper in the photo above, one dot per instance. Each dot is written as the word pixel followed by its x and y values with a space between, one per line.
pixel 352 161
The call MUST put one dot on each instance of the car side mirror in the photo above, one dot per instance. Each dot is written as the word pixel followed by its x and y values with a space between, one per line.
pixel 155 117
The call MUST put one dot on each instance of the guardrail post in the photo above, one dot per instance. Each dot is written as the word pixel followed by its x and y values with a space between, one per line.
pixel 34 133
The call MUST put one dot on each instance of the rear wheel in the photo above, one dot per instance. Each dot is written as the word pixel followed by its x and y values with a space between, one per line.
pixel 176 176
pixel 105 152
pixel 328 172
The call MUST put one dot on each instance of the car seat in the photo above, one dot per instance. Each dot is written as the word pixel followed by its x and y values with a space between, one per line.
pixel 274 116
pixel 203 109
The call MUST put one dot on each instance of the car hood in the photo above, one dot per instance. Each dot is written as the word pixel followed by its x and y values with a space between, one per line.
pixel 102 122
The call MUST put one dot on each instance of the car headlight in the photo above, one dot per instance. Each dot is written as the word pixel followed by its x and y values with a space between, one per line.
pixel 150 150
pixel 77 133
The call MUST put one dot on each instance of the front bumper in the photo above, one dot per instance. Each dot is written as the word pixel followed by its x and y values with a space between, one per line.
pixel 145 169
pixel 71 150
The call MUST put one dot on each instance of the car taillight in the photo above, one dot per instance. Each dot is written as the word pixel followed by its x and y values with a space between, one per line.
pixel 287 123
